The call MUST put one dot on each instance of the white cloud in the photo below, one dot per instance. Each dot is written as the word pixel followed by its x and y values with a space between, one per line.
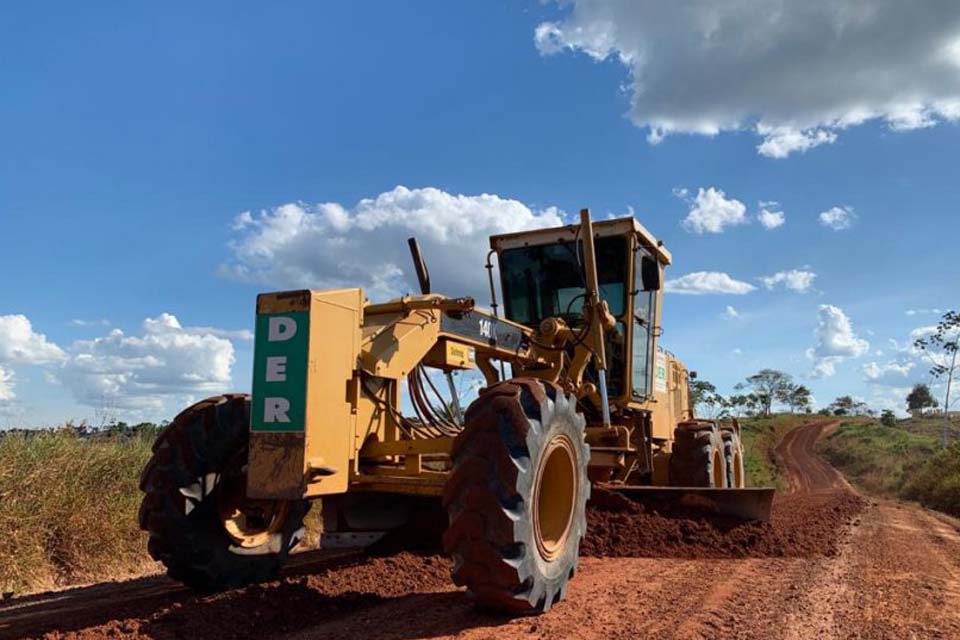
pixel 703 282
pixel 79 322
pixel 781 141
pixel 142 372
pixel 329 246
pixel 770 215
pixel 835 341
pixel 838 218
pixel 711 211
pixel 796 73
pixel 730 313
pixel 20 344
pixel 795 279
pixel 891 373
pixel 169 321
pixel 913 312
pixel 6 386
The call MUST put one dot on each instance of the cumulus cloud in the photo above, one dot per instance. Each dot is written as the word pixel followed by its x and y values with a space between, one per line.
pixel 835 341
pixel 796 73
pixel 705 282
pixel 891 373
pixel 329 245
pixel 838 218
pixel 711 211
pixel 20 344
pixel 770 216
pixel 6 386
pixel 730 313
pixel 140 372
pixel 795 279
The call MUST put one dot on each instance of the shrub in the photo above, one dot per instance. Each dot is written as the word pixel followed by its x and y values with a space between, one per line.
pixel 937 484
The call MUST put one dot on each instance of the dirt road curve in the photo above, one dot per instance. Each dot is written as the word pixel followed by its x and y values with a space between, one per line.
pixel 832 566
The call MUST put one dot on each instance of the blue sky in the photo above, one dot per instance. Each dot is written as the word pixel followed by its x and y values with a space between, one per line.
pixel 134 138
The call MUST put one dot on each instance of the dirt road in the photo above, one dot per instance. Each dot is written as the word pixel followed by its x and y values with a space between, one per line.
pixel 831 566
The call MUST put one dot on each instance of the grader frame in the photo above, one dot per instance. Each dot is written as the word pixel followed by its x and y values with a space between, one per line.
pixel 591 399
pixel 346 360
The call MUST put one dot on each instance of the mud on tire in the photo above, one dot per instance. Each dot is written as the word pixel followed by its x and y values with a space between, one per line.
pixel 697 459
pixel 200 453
pixel 515 538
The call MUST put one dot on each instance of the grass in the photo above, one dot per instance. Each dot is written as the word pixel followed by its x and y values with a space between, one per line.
pixel 902 461
pixel 760 436
pixel 877 459
pixel 68 508
pixel 937 483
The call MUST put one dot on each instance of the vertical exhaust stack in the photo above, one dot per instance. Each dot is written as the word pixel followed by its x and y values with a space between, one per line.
pixel 420 265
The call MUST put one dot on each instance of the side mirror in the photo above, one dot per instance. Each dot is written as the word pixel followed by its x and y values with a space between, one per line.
pixel 650 273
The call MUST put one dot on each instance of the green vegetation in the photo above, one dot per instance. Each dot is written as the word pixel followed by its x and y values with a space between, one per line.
pixel 68 507
pixel 937 484
pixel 760 437
pixel 900 461
pixel 877 459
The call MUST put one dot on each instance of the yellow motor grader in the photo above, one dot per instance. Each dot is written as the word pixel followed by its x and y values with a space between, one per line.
pixel 577 393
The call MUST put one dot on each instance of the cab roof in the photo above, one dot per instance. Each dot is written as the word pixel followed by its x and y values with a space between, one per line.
pixel 567 233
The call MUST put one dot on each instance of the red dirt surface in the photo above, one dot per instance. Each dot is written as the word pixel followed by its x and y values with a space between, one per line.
pixel 802 526
pixel 830 565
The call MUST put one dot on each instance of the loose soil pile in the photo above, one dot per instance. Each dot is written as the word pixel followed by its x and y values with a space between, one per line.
pixel 802 526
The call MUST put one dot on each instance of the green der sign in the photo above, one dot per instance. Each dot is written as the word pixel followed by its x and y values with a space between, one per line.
pixel 280 372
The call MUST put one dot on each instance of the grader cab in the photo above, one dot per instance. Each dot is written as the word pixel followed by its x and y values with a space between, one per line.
pixel 349 408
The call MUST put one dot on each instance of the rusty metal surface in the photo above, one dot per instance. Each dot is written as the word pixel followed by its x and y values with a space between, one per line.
pixel 276 468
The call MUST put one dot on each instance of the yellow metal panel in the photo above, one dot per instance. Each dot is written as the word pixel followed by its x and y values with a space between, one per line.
pixel 335 321
pixel 395 350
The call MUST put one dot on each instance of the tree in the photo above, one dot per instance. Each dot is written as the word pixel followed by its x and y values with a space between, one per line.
pixel 768 385
pixel 888 418
pixel 704 395
pixel 920 398
pixel 698 390
pixel 847 406
pixel 941 346
pixel 798 397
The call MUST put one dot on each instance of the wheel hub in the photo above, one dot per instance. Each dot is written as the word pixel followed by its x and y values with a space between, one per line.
pixel 556 486
pixel 249 523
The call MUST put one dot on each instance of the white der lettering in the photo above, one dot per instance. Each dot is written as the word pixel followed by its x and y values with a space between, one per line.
pixel 276 369
pixel 275 410
pixel 281 328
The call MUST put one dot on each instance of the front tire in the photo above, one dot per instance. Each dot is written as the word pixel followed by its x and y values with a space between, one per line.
pixel 517 496
pixel 201 525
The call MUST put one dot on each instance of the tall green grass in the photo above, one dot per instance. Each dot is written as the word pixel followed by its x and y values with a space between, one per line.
pixel 878 459
pixel 68 508
pixel 937 483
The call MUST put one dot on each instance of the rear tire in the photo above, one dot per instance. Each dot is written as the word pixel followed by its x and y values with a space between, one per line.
pixel 697 459
pixel 733 455
pixel 517 496
pixel 201 525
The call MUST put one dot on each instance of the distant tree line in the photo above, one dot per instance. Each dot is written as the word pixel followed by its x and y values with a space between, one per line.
pixel 756 397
